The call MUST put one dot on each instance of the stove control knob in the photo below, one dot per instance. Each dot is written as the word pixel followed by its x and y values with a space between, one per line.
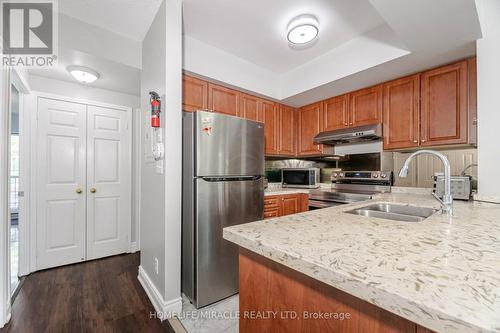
pixel 383 175
pixel 335 175
pixel 341 174
pixel 375 175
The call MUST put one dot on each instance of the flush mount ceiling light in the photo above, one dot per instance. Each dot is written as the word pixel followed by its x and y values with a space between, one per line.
pixel 302 29
pixel 83 74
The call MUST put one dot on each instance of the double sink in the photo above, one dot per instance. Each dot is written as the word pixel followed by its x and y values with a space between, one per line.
pixel 394 212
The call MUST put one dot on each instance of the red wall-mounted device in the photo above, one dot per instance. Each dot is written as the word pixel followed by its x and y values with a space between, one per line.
pixel 155 108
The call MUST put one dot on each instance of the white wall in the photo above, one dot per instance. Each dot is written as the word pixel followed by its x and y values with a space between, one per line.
pixel 78 35
pixel 75 90
pixel 216 64
pixel 173 152
pixel 4 209
pixel 160 195
pixel 488 72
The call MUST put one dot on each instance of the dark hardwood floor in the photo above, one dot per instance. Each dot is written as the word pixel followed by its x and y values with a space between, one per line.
pixel 97 296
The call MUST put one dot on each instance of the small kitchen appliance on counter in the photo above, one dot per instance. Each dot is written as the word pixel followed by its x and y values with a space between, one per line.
pixel 461 186
pixel 300 177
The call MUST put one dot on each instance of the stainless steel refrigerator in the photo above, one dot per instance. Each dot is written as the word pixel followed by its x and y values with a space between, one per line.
pixel 223 185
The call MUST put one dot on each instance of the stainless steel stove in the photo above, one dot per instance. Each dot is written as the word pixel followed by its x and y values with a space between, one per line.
pixel 351 186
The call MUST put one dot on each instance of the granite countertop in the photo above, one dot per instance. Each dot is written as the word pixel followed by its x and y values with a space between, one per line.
pixel 282 191
pixel 276 189
pixel 442 273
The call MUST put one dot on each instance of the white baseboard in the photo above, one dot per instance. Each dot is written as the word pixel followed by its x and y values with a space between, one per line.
pixel 165 309
pixel 133 247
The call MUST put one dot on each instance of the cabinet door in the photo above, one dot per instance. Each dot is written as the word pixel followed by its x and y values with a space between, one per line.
pixel 271 213
pixel 335 113
pixel 402 113
pixel 444 105
pixel 290 204
pixel 223 100
pixel 286 144
pixel 271 127
pixel 310 124
pixel 365 106
pixel 194 94
pixel 250 107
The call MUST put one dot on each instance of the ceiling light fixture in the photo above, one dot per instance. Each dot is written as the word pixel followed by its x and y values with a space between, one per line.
pixel 302 29
pixel 83 74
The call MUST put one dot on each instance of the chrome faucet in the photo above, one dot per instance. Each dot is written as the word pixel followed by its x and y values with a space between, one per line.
pixel 447 201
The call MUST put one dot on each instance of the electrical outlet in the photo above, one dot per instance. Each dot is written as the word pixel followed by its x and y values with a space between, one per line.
pixel 156 265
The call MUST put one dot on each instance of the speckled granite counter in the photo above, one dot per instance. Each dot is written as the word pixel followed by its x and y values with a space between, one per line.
pixel 442 273
pixel 282 191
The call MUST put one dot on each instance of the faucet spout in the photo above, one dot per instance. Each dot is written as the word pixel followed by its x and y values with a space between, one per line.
pixel 447 201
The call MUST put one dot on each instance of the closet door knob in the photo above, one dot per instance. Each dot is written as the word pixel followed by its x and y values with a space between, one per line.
pixel 78 190
pixel 93 190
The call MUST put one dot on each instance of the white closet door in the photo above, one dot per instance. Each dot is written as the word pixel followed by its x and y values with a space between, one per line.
pixel 61 179
pixel 108 182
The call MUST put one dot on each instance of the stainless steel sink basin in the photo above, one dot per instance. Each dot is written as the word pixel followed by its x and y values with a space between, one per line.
pixel 394 212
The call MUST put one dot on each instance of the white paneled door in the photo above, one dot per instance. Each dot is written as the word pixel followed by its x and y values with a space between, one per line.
pixel 108 179
pixel 83 182
pixel 61 183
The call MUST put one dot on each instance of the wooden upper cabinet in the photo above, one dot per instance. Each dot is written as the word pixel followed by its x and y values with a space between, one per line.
pixel 223 100
pixel 250 107
pixel 310 124
pixel 365 106
pixel 444 105
pixel 286 140
pixel 402 113
pixel 195 94
pixel 270 118
pixel 336 113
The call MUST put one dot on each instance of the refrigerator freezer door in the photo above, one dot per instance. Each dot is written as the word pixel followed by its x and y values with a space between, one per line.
pixel 221 204
pixel 228 146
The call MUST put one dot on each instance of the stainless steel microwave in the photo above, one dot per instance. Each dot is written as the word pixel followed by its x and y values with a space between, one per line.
pixel 300 177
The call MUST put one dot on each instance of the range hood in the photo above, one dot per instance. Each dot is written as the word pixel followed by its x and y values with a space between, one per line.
pixel 360 134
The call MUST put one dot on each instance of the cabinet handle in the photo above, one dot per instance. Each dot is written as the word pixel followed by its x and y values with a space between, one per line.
pixel 78 190
pixel 93 190
pixel 415 141
pixel 350 123
pixel 423 140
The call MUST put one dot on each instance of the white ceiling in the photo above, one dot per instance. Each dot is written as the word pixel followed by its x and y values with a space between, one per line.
pixel 114 76
pixel 256 30
pixel 130 18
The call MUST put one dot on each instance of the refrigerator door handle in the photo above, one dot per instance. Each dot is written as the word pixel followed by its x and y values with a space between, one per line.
pixel 232 178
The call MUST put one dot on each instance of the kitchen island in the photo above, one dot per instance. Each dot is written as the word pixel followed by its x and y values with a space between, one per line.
pixel 442 274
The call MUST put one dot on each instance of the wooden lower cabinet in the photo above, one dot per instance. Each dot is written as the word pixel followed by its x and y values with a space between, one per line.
pixel 289 299
pixel 287 204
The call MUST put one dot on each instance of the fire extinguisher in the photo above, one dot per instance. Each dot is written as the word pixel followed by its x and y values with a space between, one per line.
pixel 155 108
